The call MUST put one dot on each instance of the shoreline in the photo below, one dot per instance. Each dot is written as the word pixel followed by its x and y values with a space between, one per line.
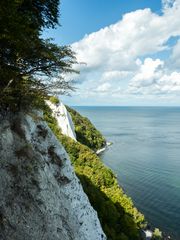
pixel 104 148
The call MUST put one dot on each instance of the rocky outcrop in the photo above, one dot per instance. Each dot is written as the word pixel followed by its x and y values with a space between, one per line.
pixel 40 195
pixel 63 118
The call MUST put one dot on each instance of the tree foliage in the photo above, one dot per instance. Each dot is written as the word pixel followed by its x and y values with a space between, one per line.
pixel 86 133
pixel 30 65
pixel 54 100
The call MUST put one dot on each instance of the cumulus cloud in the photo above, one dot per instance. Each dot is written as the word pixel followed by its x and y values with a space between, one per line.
pixel 149 71
pixel 175 56
pixel 152 79
pixel 138 33
pixel 114 56
pixel 114 75
pixel 104 87
pixel 167 3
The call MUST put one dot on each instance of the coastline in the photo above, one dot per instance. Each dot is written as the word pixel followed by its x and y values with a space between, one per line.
pixel 104 148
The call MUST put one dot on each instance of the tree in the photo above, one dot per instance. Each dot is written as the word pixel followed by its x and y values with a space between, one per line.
pixel 29 65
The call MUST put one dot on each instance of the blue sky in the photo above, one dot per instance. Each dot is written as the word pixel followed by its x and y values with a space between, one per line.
pixel 80 17
pixel 131 49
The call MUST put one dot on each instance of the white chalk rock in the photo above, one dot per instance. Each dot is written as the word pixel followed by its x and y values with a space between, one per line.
pixel 40 195
pixel 63 118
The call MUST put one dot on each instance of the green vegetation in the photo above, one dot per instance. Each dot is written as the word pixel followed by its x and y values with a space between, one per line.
pixel 86 133
pixel 157 234
pixel 29 64
pixel 118 216
pixel 54 100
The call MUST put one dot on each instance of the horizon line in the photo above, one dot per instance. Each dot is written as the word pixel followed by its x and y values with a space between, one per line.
pixel 124 105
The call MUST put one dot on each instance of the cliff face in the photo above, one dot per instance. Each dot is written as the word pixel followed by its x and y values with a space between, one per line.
pixel 64 119
pixel 40 196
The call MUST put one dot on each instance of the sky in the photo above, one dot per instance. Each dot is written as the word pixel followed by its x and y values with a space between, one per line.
pixel 128 51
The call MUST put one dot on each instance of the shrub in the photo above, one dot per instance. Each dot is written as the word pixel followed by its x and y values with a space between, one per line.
pixel 157 234
pixel 54 100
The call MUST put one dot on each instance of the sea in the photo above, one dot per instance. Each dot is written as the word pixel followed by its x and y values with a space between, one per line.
pixel 145 156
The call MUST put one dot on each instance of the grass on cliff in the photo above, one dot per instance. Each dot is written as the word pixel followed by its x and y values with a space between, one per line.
pixel 119 218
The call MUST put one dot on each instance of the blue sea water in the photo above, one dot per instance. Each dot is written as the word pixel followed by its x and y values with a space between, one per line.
pixel 145 155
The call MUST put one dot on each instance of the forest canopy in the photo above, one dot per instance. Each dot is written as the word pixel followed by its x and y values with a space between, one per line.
pixel 30 67
pixel 86 133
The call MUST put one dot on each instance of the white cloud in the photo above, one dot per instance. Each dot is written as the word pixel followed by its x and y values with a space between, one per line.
pixel 104 87
pixel 139 33
pixel 114 75
pixel 167 3
pixel 150 70
pixel 113 55
pixel 175 57
pixel 152 79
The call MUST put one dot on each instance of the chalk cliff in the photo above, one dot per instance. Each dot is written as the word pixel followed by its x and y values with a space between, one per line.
pixel 63 118
pixel 40 195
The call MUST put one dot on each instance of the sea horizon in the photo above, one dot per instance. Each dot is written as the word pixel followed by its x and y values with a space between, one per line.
pixel 141 106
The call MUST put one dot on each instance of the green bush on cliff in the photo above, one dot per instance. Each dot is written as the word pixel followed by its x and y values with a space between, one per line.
pixel 119 218
pixel 86 133
pixel 54 100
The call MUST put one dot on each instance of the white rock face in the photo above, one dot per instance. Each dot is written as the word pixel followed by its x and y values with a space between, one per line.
pixel 63 118
pixel 40 196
